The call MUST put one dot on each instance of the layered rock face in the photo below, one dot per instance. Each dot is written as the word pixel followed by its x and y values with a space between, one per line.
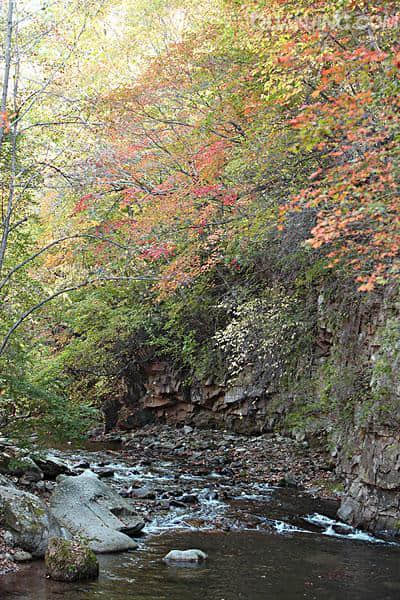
pixel 370 458
pixel 372 476
pixel 243 408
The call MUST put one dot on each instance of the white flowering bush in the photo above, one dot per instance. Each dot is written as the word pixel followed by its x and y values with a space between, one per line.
pixel 263 337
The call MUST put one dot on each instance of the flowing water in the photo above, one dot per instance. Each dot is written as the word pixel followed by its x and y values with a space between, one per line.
pixel 263 543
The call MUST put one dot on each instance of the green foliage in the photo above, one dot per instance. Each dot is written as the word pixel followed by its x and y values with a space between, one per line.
pixel 223 161
pixel 385 380
pixel 35 398
pixel 263 336
pixel 66 420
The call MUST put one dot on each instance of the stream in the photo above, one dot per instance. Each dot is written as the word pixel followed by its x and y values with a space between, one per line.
pixel 263 542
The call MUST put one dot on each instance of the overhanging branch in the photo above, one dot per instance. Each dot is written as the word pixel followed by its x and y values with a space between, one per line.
pixel 66 290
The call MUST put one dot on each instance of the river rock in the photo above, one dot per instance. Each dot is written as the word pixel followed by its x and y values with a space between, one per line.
pixel 291 481
pixel 52 466
pixel 6 481
pixel 12 462
pixel 22 556
pixel 144 493
pixel 103 471
pixel 188 498
pixel 82 465
pixel 27 520
pixel 70 561
pixel 88 507
pixel 184 556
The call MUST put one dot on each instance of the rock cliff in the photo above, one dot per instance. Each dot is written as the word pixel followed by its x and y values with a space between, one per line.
pixel 349 391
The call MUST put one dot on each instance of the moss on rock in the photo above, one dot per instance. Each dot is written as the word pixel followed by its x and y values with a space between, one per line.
pixel 70 561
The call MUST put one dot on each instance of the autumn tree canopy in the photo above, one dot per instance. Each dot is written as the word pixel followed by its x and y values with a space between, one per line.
pixel 161 155
pixel 257 113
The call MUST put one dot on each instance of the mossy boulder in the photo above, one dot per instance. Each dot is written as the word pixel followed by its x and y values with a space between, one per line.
pixel 70 560
pixel 27 519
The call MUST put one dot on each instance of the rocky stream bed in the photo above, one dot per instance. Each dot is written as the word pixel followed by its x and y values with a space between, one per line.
pixel 263 508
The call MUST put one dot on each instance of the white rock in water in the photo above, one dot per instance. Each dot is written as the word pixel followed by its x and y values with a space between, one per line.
pixel 191 555
pixel 21 556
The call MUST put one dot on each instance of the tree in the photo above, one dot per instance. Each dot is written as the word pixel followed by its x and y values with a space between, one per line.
pixel 236 129
pixel 31 69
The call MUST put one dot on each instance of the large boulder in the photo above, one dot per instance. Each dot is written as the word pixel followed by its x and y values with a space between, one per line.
pixel 89 508
pixel 27 519
pixel 70 561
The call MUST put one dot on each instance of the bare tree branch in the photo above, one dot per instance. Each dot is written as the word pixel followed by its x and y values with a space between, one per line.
pixel 55 243
pixel 66 290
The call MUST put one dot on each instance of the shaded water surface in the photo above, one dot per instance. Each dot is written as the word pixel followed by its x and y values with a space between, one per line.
pixel 248 565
